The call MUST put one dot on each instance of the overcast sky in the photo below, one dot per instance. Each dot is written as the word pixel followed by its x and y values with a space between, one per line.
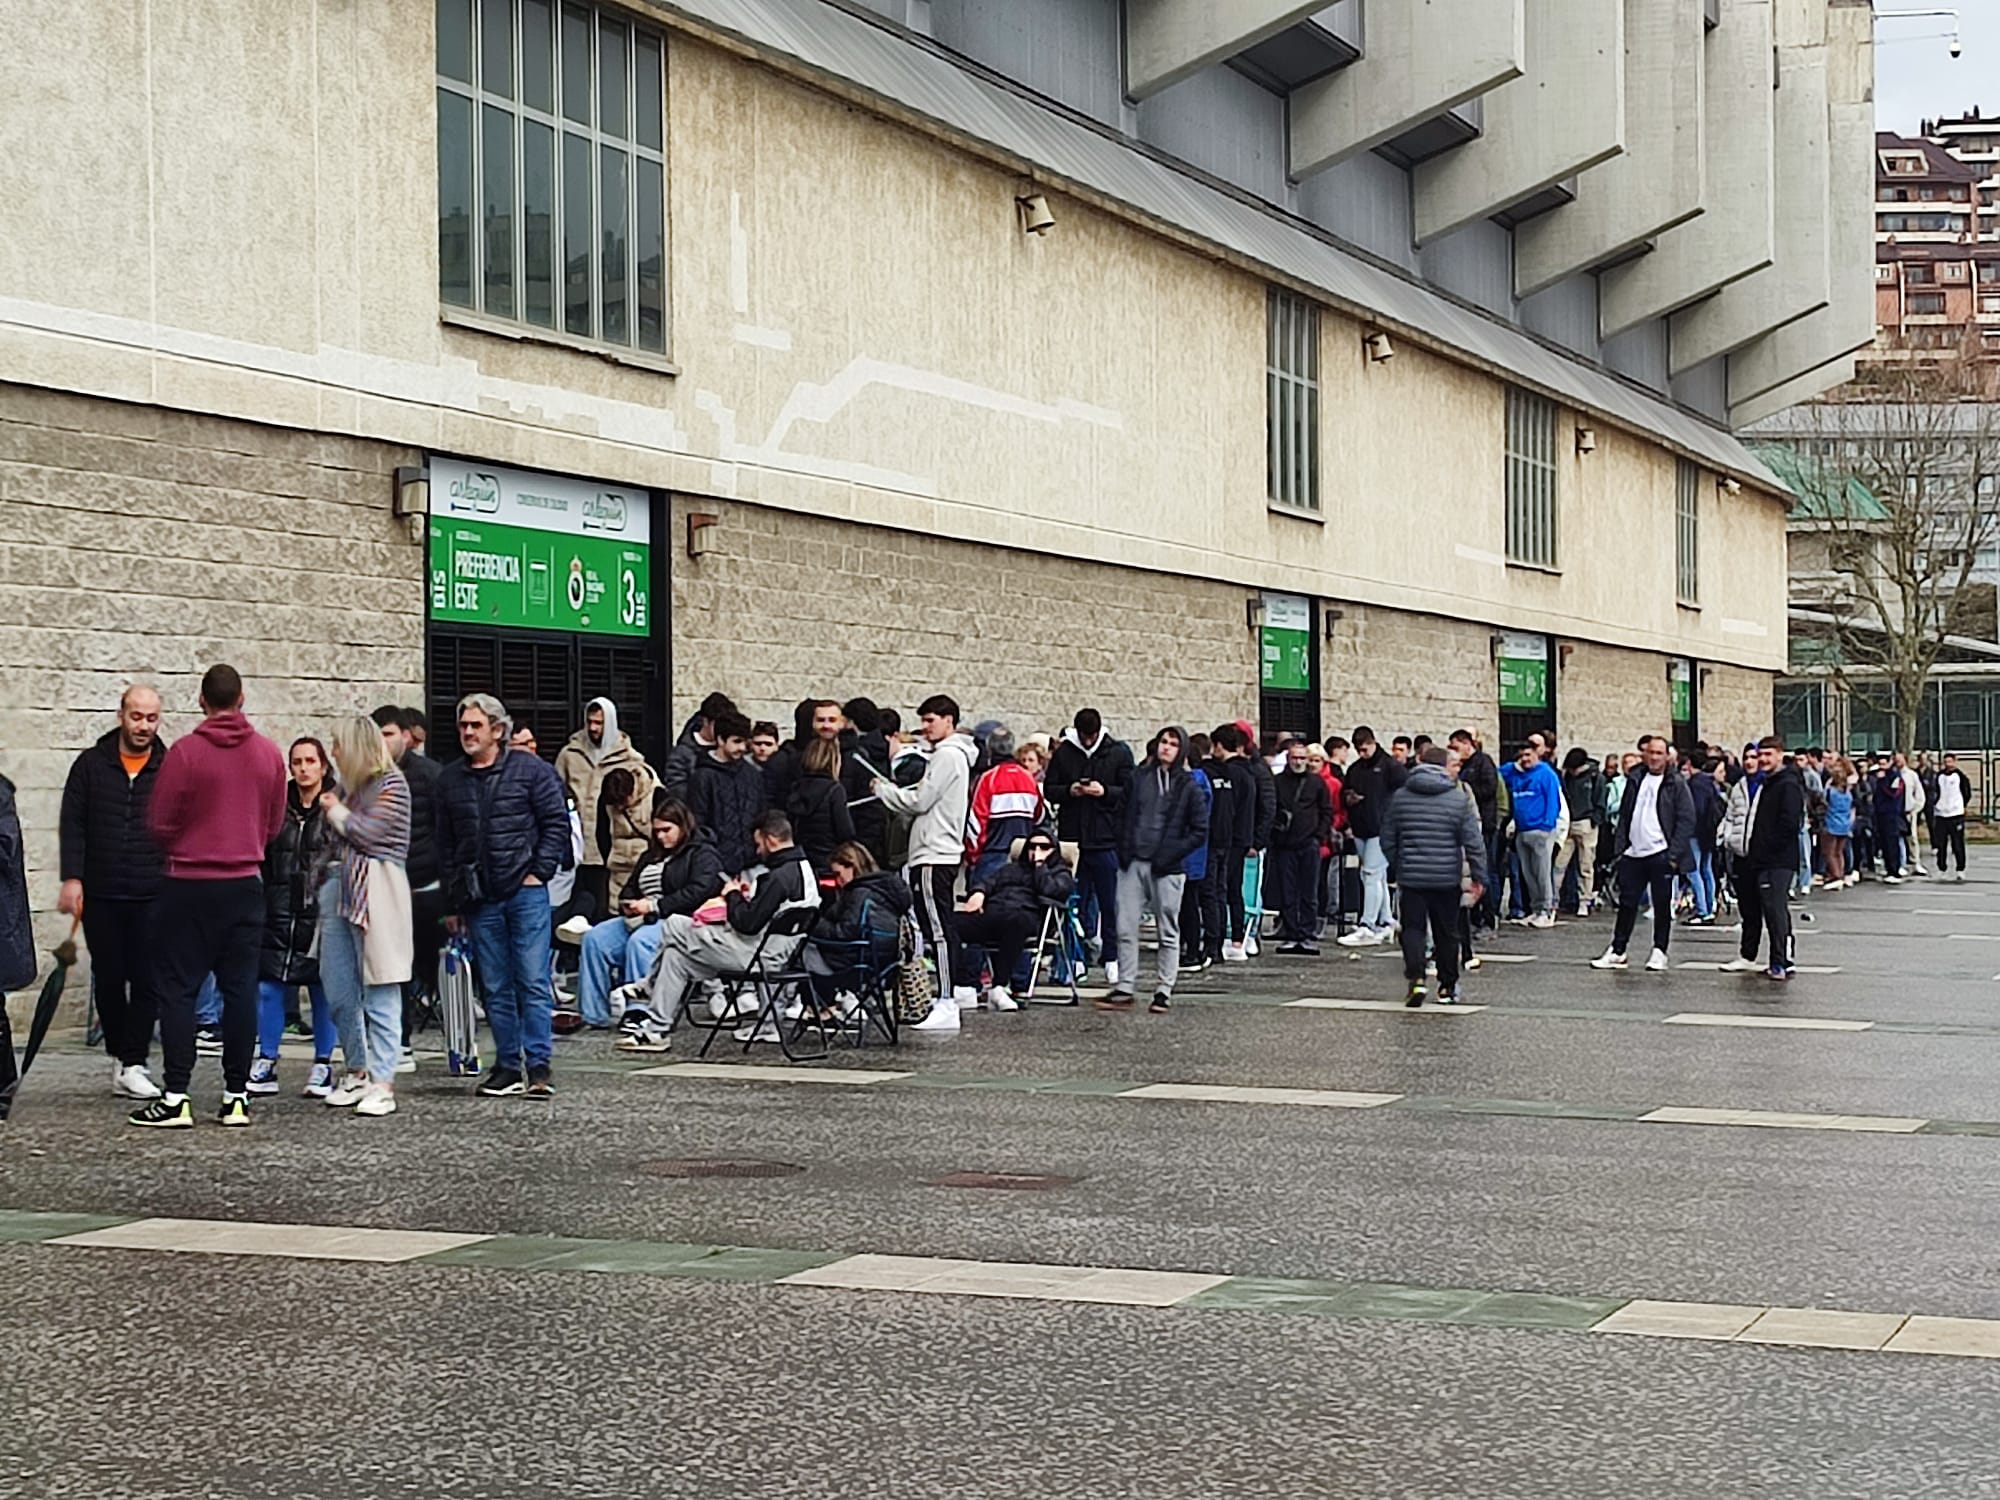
pixel 1916 76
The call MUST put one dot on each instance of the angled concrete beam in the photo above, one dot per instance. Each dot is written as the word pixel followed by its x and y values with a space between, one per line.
pixel 1656 182
pixel 1168 40
pixel 1419 58
pixel 1733 235
pixel 1847 322
pixel 1797 280
pixel 1792 392
pixel 1566 112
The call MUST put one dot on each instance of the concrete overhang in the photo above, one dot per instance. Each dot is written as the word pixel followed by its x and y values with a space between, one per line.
pixel 1168 40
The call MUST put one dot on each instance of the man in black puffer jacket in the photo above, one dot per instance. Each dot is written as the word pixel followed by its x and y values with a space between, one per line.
pixel 1006 906
pixel 1302 823
pixel 108 855
pixel 1430 834
pixel 1764 871
pixel 726 793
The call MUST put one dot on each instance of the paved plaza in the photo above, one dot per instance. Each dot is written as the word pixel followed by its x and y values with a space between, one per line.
pixel 1593 1235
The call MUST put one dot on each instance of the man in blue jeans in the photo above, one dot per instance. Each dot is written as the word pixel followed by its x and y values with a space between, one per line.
pixel 503 832
pixel 1086 785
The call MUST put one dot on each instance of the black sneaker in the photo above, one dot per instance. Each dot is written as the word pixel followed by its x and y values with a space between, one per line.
pixel 1116 1000
pixel 1447 997
pixel 296 1027
pixel 160 1115
pixel 235 1110
pixel 1291 947
pixel 208 1041
pixel 1159 1007
pixel 501 1083
pixel 1416 997
pixel 1307 950
pixel 539 1084
pixel 634 1020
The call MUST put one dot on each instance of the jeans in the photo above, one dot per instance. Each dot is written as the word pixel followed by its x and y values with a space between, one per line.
pixel 119 935
pixel 209 927
pixel 1374 884
pixel 369 1017
pixel 1802 874
pixel 1139 888
pixel 271 997
pixel 1537 846
pixel 1496 869
pixel 612 948
pixel 1701 881
pixel 1639 874
pixel 1097 881
pixel 510 944
pixel 1296 878
pixel 208 1002
pixel 1432 915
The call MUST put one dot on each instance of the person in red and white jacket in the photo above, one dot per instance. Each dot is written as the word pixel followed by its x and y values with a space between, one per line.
pixel 1006 805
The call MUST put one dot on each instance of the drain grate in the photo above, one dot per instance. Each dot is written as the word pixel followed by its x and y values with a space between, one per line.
pixel 1019 1182
pixel 719 1166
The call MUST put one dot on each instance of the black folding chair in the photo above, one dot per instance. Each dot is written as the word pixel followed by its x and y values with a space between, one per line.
pixel 769 978
pixel 866 968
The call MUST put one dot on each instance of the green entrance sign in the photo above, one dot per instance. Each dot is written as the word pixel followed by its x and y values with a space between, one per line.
pixel 1682 685
pixel 1284 644
pixel 1524 670
pixel 537 551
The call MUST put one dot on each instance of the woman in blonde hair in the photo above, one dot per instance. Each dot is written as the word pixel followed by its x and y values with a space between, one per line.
pixel 366 943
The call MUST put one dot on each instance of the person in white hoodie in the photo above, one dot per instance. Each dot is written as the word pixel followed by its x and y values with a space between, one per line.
pixel 940 804
pixel 1913 809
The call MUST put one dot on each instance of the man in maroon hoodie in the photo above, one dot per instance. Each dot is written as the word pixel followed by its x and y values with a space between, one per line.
pixel 219 799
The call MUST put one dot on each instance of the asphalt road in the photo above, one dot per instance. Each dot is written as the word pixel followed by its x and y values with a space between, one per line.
pixel 1511 1158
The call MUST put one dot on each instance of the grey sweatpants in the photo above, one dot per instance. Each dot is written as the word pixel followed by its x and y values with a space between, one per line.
pixel 1139 887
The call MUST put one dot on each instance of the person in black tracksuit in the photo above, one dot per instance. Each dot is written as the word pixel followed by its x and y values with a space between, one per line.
pixel 1086 783
pixel 112 874
pixel 1005 909
pixel 1303 821
pixel 1764 873
pixel 1230 813
pixel 726 793
pixel 1479 775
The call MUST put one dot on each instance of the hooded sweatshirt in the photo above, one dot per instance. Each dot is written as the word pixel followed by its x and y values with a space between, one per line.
pixel 583 767
pixel 219 800
pixel 940 802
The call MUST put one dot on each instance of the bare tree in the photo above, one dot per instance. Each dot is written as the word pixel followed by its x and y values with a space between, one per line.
pixel 1899 480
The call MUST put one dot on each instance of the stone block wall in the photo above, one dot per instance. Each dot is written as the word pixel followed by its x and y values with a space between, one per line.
pixel 1736 706
pixel 1402 673
pixel 789 606
pixel 1607 697
pixel 140 544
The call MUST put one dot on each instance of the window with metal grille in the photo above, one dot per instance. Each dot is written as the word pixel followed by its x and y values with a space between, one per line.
pixel 1531 479
pixel 1291 384
pixel 1687 533
pixel 552 168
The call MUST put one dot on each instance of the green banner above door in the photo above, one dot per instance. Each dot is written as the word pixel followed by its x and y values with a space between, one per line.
pixel 1524 670
pixel 1284 644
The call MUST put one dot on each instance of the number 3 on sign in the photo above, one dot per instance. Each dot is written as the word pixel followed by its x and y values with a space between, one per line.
pixel 628 608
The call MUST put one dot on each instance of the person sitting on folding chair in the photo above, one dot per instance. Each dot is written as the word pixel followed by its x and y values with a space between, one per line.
pixel 1005 909
pixel 859 927
pixel 692 951
pixel 676 876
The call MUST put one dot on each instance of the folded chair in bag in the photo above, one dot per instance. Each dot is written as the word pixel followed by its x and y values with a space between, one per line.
pixel 457 1016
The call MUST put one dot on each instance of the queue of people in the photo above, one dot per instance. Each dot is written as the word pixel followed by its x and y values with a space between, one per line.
pixel 218 881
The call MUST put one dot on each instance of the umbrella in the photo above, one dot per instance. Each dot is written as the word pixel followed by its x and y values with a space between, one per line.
pixel 38 1027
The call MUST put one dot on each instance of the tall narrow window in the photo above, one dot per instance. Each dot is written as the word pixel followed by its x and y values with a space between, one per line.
pixel 552 168
pixel 1291 385
pixel 1687 533
pixel 1531 479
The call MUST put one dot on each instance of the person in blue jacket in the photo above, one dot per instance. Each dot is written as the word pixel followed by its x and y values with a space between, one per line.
pixel 1196 939
pixel 1536 793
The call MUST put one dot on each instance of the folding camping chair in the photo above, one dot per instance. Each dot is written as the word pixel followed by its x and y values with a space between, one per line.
pixel 866 968
pixel 770 979
pixel 458 1017
pixel 1064 925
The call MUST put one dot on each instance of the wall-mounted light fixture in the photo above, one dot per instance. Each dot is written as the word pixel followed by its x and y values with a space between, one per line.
pixel 1254 612
pixel 1728 484
pixel 1329 618
pixel 701 532
pixel 412 493
pixel 1564 651
pixel 1376 343
pixel 1035 215
pixel 1586 440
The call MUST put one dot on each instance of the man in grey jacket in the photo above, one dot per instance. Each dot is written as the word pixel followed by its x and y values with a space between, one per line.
pixel 940 803
pixel 1431 838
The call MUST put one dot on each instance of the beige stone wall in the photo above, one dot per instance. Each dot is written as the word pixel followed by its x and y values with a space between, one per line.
pixel 1736 706
pixel 787 607
pixel 1607 697
pixel 1403 673
pixel 144 545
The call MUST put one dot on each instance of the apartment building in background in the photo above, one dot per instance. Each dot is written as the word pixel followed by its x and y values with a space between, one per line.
pixel 1937 249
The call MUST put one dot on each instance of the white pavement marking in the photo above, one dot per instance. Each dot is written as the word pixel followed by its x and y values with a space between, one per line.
pixel 1232 1094
pixel 297 1241
pixel 1973 937
pixel 1971 1338
pixel 1956 911
pixel 756 1073
pixel 1775 1120
pixel 974 1278
pixel 1508 958
pixel 1312 1002
pixel 1800 969
pixel 1772 1023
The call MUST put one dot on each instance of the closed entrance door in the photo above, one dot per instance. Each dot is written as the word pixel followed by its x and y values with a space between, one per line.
pixel 545 680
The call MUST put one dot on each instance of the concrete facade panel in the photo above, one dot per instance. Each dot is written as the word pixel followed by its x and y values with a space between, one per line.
pixel 1656 181
pixel 1733 235
pixel 1168 40
pixel 1564 113
pixel 1421 58
pixel 1791 392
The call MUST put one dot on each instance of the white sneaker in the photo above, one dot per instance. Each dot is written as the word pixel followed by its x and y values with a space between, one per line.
pixel 349 1091
pixel 1657 964
pixel 768 1032
pixel 319 1082
pixel 965 996
pixel 376 1099
pixel 133 1082
pixel 1361 937
pixel 1232 953
pixel 943 1017
pixel 1111 972
pixel 1892 880
pixel 1610 958
pixel 628 997
pixel 1917 869
pixel 1741 965
pixel 1542 920
pixel 574 930
pixel 722 1006
pixel 406 1060
pixel 998 998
